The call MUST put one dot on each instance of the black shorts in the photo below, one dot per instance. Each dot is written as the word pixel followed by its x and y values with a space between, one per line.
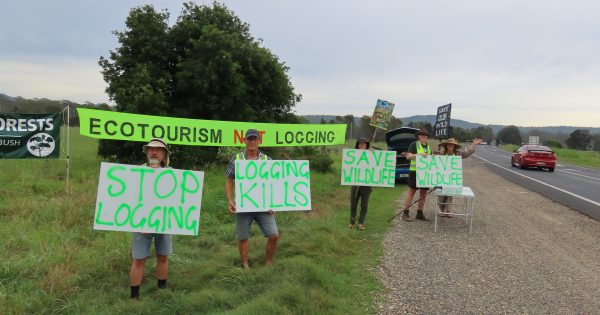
pixel 412 181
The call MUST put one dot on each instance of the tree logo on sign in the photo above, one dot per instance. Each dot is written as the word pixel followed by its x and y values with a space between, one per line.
pixel 41 145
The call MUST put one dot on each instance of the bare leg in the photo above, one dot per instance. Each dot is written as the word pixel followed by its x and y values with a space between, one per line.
pixel 243 248
pixel 162 267
pixel 137 272
pixel 271 248
pixel 409 197
pixel 422 194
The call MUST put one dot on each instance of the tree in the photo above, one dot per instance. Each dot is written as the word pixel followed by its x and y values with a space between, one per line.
pixel 422 125
pixel 206 66
pixel 509 134
pixel 597 142
pixel 579 139
pixel 485 133
pixel 461 134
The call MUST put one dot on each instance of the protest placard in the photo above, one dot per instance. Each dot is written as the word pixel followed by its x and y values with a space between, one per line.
pixel 278 185
pixel 442 122
pixel 135 127
pixel 439 170
pixel 150 200
pixel 382 114
pixel 368 168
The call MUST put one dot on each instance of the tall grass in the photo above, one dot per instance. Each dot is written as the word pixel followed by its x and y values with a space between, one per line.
pixel 53 262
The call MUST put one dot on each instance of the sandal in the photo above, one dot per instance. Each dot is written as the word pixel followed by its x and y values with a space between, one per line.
pixel 350 225
pixel 361 226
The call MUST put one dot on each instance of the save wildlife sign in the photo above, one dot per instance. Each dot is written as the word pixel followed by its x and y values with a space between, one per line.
pixel 35 136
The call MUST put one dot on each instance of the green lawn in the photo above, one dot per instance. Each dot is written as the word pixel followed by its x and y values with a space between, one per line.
pixel 53 262
pixel 576 157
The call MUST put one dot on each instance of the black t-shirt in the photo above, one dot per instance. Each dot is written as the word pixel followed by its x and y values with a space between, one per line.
pixel 412 148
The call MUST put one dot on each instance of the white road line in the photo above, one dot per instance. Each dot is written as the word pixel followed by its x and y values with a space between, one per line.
pixel 543 183
pixel 590 177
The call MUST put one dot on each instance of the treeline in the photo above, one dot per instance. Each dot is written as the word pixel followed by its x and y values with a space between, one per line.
pixel 21 105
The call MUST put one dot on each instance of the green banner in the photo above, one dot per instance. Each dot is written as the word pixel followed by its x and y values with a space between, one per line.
pixel 134 127
pixel 35 136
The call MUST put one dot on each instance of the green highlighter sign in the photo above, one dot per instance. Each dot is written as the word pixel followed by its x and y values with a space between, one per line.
pixel 149 200
pixel 368 168
pixel 278 185
pixel 439 170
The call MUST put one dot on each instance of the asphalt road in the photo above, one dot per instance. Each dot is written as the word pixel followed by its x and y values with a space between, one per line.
pixel 574 186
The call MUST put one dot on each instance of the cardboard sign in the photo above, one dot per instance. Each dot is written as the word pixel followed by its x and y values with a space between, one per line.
pixel 368 168
pixel 382 114
pixel 439 170
pixel 150 200
pixel 278 185
pixel 102 124
pixel 442 122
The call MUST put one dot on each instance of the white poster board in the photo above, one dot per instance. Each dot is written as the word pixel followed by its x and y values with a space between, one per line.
pixel 439 170
pixel 278 185
pixel 368 168
pixel 135 198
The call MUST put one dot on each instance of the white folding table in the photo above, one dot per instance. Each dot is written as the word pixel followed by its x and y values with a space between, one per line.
pixel 466 207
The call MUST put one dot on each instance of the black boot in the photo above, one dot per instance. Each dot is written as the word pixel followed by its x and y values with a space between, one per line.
pixel 421 216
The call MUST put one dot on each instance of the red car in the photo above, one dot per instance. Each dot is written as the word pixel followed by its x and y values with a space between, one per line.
pixel 534 156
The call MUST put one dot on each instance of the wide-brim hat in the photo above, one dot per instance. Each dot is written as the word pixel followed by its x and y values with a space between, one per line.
pixel 362 140
pixel 450 141
pixel 156 143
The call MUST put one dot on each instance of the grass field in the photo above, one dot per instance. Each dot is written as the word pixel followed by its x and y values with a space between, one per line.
pixel 53 262
pixel 569 156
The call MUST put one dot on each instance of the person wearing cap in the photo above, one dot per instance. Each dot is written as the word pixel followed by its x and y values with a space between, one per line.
pixel 419 147
pixel 360 192
pixel 265 220
pixel 157 154
pixel 451 147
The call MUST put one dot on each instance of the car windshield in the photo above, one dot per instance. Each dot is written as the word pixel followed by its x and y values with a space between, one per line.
pixel 402 137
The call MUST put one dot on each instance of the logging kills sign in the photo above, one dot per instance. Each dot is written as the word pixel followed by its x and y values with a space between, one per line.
pixel 368 168
pixel 149 200
pixel 439 170
pixel 133 127
pixel 278 185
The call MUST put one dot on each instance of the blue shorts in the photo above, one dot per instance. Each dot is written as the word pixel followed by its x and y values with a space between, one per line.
pixel 140 245
pixel 265 221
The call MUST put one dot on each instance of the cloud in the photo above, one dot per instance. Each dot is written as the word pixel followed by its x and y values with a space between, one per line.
pixel 77 80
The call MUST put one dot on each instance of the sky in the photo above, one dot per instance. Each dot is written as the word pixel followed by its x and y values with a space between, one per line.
pixel 528 63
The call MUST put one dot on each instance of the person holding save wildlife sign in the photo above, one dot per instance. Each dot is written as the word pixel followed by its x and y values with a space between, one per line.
pixel 360 192
pixel 419 147
pixel 157 154
pixel 265 220
pixel 451 147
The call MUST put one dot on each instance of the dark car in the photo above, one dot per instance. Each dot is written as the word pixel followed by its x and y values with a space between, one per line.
pixel 534 156
pixel 398 140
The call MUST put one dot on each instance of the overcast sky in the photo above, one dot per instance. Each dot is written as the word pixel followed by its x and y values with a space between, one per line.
pixel 530 63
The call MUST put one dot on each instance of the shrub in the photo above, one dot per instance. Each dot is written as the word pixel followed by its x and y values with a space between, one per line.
pixel 321 162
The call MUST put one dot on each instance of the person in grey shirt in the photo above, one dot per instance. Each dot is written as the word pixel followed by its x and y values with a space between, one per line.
pixel 157 154
pixel 265 220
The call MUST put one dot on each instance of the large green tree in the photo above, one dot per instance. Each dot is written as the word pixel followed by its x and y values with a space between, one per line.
pixel 579 139
pixel 509 134
pixel 206 65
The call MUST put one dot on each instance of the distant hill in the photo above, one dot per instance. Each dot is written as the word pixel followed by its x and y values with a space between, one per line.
pixel 315 119
pixel 10 104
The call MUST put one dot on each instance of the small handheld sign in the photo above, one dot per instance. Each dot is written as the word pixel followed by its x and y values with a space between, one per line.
pixel 278 185
pixel 150 200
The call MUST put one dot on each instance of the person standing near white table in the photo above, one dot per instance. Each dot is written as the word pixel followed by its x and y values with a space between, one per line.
pixel 451 147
